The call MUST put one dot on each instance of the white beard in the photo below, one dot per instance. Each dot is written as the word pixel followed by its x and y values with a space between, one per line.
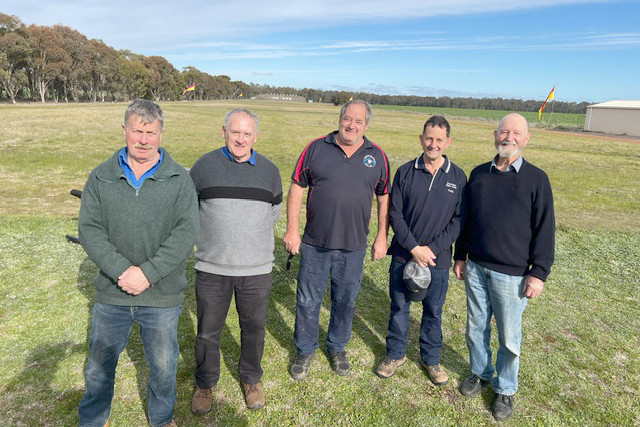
pixel 508 151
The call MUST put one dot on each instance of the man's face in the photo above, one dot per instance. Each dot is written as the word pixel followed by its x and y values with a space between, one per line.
pixel 353 124
pixel 240 136
pixel 511 136
pixel 434 141
pixel 143 139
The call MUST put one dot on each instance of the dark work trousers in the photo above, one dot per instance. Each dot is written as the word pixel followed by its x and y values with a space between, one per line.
pixel 213 296
pixel 431 325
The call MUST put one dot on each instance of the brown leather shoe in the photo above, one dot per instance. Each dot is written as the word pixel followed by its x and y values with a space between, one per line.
pixel 201 402
pixel 437 374
pixel 107 423
pixel 388 366
pixel 171 424
pixel 253 395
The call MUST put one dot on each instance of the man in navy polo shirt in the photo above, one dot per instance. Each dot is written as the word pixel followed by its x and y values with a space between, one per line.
pixel 509 238
pixel 343 171
pixel 425 214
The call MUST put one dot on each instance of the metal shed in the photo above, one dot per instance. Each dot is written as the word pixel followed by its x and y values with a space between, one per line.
pixel 616 117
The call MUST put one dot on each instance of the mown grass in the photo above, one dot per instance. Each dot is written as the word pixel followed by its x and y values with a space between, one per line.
pixel 564 121
pixel 580 360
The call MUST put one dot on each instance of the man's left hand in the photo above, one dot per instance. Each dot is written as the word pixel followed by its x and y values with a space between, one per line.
pixel 532 287
pixel 133 281
pixel 379 249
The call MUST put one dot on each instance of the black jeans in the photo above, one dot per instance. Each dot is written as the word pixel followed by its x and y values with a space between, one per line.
pixel 213 295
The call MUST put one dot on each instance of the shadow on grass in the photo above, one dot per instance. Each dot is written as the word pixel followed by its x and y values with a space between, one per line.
pixel 369 323
pixel 224 414
pixel 30 398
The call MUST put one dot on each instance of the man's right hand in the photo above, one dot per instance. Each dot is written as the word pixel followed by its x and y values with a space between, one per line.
pixel 458 269
pixel 424 256
pixel 133 281
pixel 292 241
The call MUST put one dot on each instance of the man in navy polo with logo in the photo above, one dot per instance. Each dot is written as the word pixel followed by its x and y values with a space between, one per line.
pixel 343 171
pixel 426 215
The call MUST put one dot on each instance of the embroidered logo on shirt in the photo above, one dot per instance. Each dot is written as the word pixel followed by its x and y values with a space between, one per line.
pixel 369 161
pixel 451 186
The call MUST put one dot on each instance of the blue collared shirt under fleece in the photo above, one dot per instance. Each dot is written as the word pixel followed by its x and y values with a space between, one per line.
pixel 128 172
pixel 426 209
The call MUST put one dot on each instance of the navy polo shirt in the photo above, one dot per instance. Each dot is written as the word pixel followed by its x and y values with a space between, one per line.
pixel 425 209
pixel 341 190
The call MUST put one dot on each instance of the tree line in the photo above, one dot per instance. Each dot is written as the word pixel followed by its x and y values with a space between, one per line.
pixel 59 64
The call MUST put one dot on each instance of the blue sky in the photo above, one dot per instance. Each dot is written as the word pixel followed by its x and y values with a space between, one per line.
pixel 590 49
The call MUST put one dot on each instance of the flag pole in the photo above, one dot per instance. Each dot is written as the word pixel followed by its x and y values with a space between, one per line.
pixel 554 101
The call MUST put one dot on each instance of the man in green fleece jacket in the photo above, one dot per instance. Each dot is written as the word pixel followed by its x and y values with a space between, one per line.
pixel 138 222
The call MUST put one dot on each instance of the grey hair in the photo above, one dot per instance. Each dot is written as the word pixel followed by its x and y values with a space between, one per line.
pixel 343 110
pixel 148 112
pixel 227 117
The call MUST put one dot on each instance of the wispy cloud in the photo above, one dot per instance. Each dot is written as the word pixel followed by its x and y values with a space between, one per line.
pixel 132 25
pixel 552 42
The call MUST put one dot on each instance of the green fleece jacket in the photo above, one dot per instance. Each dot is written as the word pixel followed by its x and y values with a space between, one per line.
pixel 154 228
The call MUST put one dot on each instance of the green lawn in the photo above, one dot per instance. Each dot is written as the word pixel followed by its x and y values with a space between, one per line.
pixel 555 121
pixel 580 359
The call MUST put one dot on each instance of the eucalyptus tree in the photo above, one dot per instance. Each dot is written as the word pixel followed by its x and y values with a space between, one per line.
pixel 48 59
pixel 77 70
pixel 165 81
pixel 14 55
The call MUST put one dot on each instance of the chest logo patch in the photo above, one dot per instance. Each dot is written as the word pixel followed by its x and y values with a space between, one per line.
pixel 369 161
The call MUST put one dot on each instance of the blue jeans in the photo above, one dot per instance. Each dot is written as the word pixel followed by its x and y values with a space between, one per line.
pixel 316 264
pixel 431 325
pixel 492 293
pixel 111 327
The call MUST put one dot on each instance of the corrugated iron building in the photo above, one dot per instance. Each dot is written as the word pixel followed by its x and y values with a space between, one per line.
pixel 615 117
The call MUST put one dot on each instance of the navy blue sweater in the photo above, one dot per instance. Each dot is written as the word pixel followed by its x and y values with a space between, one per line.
pixel 510 224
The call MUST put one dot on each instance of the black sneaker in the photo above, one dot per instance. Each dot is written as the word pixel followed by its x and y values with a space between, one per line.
pixel 502 407
pixel 301 366
pixel 472 385
pixel 340 363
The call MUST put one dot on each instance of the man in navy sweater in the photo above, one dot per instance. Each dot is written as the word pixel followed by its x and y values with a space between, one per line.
pixel 509 239
pixel 425 214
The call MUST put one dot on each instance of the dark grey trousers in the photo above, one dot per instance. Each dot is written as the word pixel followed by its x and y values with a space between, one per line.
pixel 213 296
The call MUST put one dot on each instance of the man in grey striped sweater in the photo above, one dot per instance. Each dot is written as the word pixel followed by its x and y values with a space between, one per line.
pixel 240 199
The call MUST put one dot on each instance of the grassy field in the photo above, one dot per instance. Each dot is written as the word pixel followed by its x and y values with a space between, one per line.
pixel 557 121
pixel 580 359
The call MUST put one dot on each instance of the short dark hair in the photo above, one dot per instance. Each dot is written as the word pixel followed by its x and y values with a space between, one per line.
pixel 437 121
